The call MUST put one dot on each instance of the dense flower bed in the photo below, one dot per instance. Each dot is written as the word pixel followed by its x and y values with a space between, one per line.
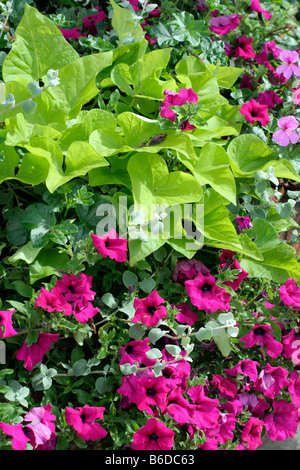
pixel 148 166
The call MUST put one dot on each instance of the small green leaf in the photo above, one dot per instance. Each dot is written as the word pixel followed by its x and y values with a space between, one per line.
pixel 29 107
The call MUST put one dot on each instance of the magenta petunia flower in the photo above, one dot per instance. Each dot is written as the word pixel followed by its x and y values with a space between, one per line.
pixel 71 33
pixel 89 20
pixel 19 438
pixel 251 433
pixel 271 381
pixel 209 444
pixel 206 295
pixel 149 310
pixel 244 48
pixel 223 430
pixel 253 111
pixel 52 301
pixel 227 387
pixel 269 98
pixel 83 310
pixel 283 422
pixel 185 95
pixel 6 322
pixel 135 351
pixel 74 287
pixel 256 6
pixel 205 412
pixel 32 355
pixel 111 245
pixel 223 24
pixel 289 67
pixel 245 367
pixel 176 373
pixel 225 255
pixel 185 315
pixel 287 126
pixel 155 435
pixel 290 293
pixel 290 342
pixel 267 48
pixel 294 388
pixel 244 222
pixel 261 335
pixel 235 284
pixel 188 269
pixel 130 388
pixel 153 392
pixel 82 419
pixel 201 5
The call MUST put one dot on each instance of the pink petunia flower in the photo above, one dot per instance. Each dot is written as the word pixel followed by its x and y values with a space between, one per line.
pixel 283 422
pixel 32 355
pixel 290 293
pixel 251 433
pixel 149 310
pixel 271 381
pixel 37 428
pixel 285 135
pixel 223 24
pixel 261 335
pixel 269 98
pixel 155 435
pixel 274 77
pixel 256 6
pixel 40 422
pixel 257 406
pixel 244 48
pixel 82 419
pixel 111 245
pixel 289 67
pixel 206 295
pixel 6 322
pixel 296 97
pixel 253 111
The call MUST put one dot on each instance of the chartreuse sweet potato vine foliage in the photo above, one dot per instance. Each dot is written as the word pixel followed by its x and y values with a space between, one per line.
pixel 140 196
